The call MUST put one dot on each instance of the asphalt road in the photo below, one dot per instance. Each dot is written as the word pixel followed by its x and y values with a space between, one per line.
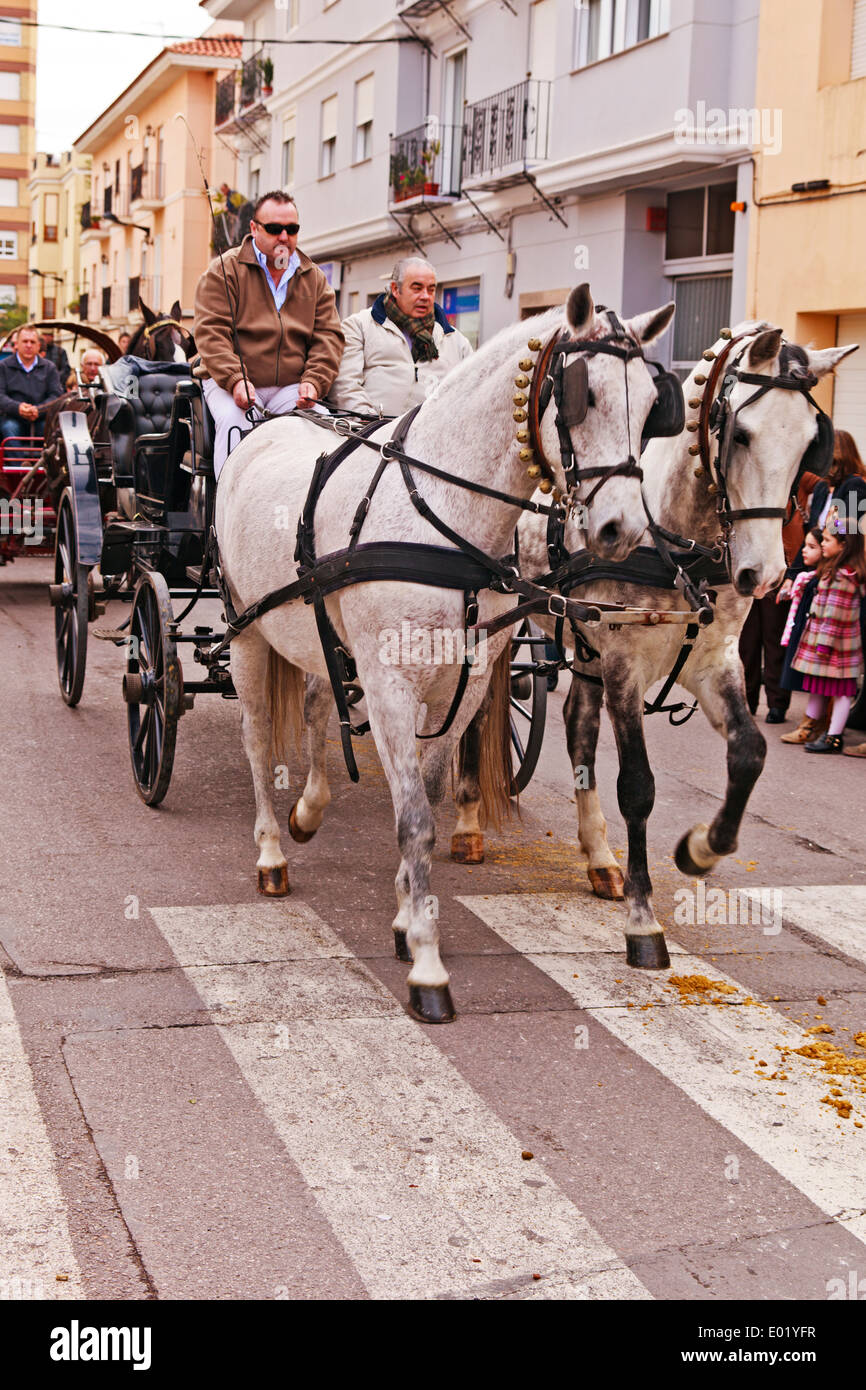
pixel 207 1095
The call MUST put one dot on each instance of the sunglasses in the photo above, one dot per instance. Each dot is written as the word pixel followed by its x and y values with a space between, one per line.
pixel 274 228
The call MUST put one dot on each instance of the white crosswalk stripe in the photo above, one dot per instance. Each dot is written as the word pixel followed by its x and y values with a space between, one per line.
pixel 835 913
pixel 34 1236
pixel 709 1051
pixel 422 1183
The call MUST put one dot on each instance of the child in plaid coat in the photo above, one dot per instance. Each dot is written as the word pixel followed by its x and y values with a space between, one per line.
pixel 829 656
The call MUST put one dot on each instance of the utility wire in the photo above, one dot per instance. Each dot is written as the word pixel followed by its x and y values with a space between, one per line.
pixel 192 38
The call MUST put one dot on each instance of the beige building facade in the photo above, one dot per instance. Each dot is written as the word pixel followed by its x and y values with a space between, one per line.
pixel 807 247
pixel 17 144
pixel 146 229
pixel 58 189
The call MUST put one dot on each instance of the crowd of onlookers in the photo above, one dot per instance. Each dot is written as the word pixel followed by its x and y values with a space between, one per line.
pixel 810 634
pixel 36 372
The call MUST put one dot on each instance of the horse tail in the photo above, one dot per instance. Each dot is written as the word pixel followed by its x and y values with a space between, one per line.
pixel 284 694
pixel 494 764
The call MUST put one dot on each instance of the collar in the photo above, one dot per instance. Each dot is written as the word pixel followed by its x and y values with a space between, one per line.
pixel 32 364
pixel 293 265
pixel 377 309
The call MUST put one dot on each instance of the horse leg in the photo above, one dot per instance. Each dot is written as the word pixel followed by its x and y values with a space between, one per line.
pixel 392 714
pixel 306 815
pixel 249 674
pixel 722 698
pixel 582 718
pixel 467 842
pixel 645 942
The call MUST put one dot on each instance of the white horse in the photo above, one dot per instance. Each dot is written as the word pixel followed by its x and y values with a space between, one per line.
pixel 772 434
pixel 466 425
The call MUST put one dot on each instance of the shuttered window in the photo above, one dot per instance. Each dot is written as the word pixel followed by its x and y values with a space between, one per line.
pixel 703 307
pixel 364 118
pixel 858 40
pixel 329 137
pixel 288 152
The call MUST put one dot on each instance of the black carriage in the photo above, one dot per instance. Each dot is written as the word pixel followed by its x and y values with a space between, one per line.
pixel 133 524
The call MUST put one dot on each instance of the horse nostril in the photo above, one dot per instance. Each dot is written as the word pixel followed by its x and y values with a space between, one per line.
pixel 747 582
pixel 609 533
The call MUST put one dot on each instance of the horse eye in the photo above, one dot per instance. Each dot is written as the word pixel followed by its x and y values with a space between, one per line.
pixel 742 437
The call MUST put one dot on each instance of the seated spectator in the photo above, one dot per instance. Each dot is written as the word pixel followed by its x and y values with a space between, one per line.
pixel 28 384
pixel 91 361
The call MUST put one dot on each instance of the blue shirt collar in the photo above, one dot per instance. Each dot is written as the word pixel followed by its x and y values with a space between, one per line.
pixel 294 263
pixel 32 364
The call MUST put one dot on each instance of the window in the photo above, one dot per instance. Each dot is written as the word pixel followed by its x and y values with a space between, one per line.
pixel 354 302
pixel 255 178
pixel 49 306
pixel 8 246
pixel 604 27
pixel 461 305
pixel 8 294
pixel 858 40
pixel 8 193
pixel 10 86
pixel 363 119
pixel 288 158
pixel 703 307
pixel 49 232
pixel 10 139
pixel 329 137
pixel 10 32
pixel 292 14
pixel 700 222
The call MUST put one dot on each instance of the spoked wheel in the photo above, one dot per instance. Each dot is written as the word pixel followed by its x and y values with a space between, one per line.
pixel 152 688
pixel 528 705
pixel 69 596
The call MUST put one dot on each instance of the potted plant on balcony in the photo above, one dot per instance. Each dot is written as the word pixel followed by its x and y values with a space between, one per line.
pixel 429 155
pixel 267 70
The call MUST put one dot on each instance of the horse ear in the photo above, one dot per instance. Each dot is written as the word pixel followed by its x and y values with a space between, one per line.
pixel 824 360
pixel 645 328
pixel 174 312
pixel 149 315
pixel 579 310
pixel 765 348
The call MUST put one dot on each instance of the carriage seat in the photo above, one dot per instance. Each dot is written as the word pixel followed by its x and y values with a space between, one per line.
pixel 141 402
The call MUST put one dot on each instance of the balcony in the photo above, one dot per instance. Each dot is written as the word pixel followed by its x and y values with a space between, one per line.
pixel 150 290
pixel 425 167
pixel 93 225
pixel 83 306
pixel 147 186
pixel 504 134
pixel 106 302
pixel 251 81
pixel 226 93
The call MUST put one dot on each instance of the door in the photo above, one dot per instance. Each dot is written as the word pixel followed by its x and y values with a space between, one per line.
pixel 849 394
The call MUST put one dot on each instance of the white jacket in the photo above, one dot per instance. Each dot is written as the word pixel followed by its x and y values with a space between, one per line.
pixel 377 373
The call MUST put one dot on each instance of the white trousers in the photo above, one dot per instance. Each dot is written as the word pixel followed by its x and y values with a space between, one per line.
pixel 228 416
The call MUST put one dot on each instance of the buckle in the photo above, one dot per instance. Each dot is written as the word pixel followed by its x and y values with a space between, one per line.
pixel 561 612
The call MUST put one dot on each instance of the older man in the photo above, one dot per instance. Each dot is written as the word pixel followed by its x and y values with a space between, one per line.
pixel 91 361
pixel 399 349
pixel 276 342
pixel 28 383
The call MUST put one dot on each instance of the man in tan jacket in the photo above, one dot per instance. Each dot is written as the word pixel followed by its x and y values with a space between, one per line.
pixel 399 349
pixel 279 344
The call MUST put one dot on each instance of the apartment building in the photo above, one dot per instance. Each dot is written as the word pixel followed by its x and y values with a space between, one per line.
pixel 17 143
pixel 807 267
pixel 146 229
pixel 58 188
pixel 523 146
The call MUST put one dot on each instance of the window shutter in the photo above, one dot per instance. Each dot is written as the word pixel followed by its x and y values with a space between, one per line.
pixel 364 100
pixel 329 118
pixel 858 40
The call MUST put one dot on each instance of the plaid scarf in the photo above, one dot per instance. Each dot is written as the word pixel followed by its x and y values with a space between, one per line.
pixel 420 330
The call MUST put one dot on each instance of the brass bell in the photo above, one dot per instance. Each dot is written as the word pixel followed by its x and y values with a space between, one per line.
pixel 519 398
pixel 525 455
pixel 695 402
pixel 534 344
pixel 534 471
pixel 694 449
pixel 519 416
pixel 712 489
pixel 699 380
pixel 699 472
pixel 526 364
pixel 725 333
pixel 692 426
pixel 521 381
pixel 545 485
pixel 523 436
pixel 709 355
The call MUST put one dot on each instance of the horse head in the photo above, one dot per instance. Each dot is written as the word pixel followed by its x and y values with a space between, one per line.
pixel 162 337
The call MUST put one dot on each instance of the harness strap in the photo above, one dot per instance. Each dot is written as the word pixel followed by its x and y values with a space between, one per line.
pixel 658 706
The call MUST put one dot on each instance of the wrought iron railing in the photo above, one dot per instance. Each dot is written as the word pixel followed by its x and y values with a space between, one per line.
pixel 426 162
pixel 511 127
pixel 147 184
pixel 150 290
pixel 86 220
pixel 134 288
pixel 106 302
pixel 226 90
pixel 251 80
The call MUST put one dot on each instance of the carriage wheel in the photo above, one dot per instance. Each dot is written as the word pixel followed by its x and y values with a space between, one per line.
pixel 152 688
pixel 71 603
pixel 528 709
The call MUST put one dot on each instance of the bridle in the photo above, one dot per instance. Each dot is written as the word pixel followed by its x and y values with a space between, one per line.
pixel 165 322
pixel 568 385
pixel 718 417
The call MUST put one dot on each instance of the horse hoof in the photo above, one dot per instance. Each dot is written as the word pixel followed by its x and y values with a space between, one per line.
pixel 648 952
pixel 297 834
pixel 468 849
pixel 274 883
pixel 431 1004
pixel 607 883
pixel 401 945
pixel 684 861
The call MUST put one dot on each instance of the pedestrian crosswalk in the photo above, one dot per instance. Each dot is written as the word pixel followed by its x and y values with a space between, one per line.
pixel 427 1187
